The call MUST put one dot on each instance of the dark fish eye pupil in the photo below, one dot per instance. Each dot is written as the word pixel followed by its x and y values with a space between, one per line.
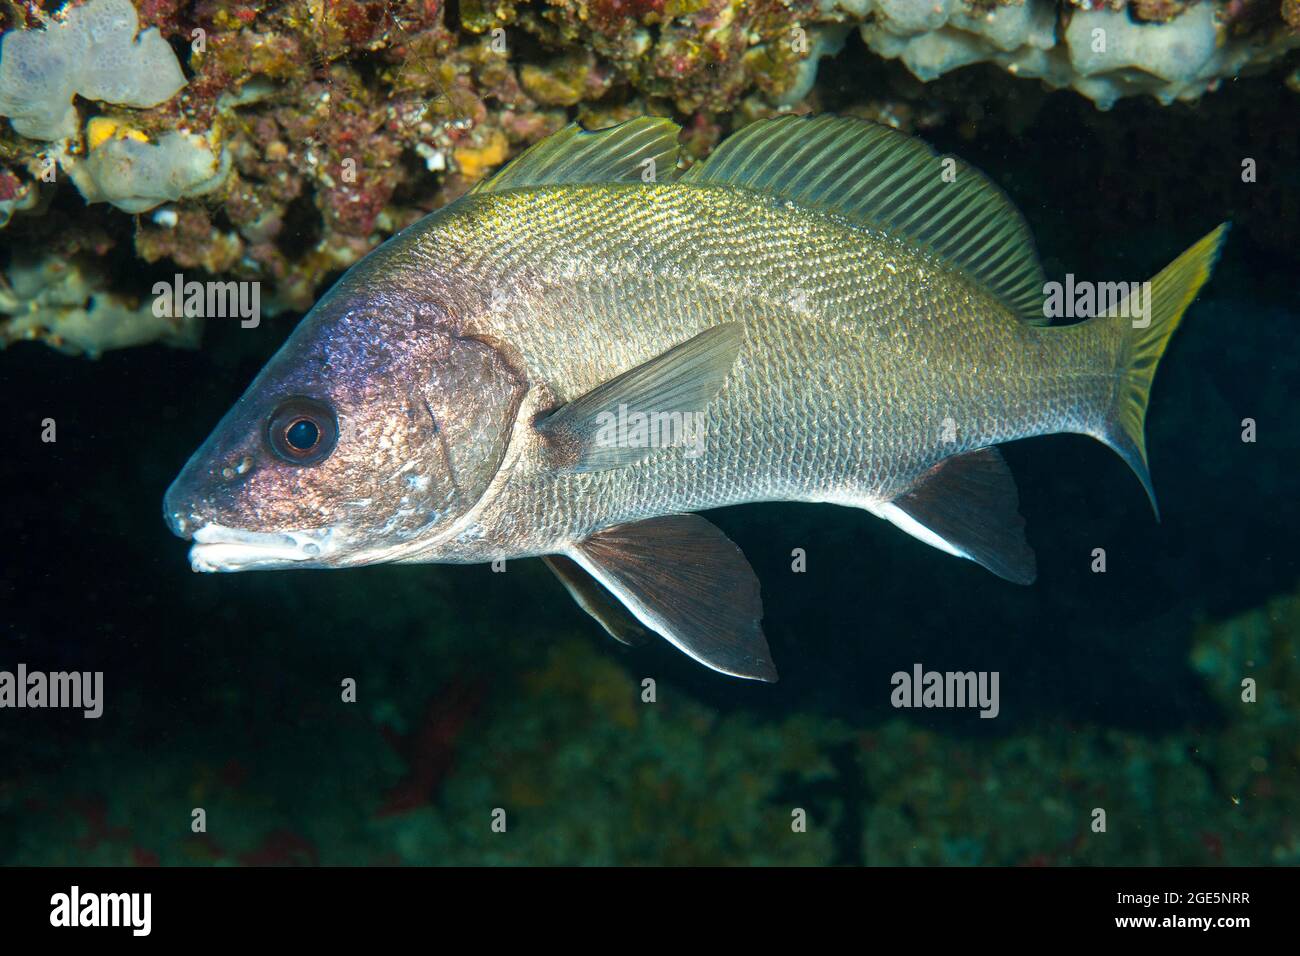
pixel 302 434
pixel 302 431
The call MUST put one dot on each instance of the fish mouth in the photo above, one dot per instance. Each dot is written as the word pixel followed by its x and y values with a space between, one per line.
pixel 218 548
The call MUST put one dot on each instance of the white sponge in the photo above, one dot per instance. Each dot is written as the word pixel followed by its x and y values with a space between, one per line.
pixel 136 176
pixel 1102 41
pixel 94 52
pixel 1102 53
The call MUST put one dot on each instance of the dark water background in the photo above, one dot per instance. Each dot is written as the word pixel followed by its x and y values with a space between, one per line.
pixel 242 671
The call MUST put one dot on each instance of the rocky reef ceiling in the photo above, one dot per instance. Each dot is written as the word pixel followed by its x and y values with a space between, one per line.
pixel 282 141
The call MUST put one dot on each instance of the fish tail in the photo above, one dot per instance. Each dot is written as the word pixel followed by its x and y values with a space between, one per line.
pixel 1143 343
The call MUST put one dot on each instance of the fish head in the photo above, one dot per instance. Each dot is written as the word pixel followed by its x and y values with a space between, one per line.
pixel 371 430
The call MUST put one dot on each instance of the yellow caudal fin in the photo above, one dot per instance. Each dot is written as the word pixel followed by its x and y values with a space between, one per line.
pixel 1172 291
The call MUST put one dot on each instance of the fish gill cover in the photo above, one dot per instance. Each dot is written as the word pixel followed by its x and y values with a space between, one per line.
pixel 974 233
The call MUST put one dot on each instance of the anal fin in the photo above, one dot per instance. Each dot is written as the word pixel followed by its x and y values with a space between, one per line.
pixel 968 505
pixel 684 579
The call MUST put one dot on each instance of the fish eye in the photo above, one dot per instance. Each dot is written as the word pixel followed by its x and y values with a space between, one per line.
pixel 302 431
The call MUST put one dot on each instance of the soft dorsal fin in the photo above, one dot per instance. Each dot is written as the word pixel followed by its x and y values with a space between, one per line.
pixel 575 155
pixel 879 178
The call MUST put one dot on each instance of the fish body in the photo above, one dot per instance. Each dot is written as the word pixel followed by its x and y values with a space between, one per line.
pixel 569 361
pixel 857 351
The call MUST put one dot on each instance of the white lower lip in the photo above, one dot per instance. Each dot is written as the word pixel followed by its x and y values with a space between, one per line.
pixel 218 548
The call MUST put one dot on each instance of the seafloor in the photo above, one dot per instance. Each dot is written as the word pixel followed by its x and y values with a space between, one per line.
pixel 480 691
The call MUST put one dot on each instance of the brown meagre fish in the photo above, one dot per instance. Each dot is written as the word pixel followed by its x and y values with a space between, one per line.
pixel 573 357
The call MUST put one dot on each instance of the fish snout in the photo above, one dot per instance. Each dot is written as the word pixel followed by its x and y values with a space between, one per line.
pixel 203 488
pixel 190 503
pixel 177 513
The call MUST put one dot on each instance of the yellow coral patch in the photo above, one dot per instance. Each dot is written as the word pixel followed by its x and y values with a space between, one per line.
pixel 98 130
pixel 474 161
pixel 103 128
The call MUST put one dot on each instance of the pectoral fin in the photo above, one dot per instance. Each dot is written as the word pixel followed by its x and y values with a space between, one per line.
pixel 596 601
pixel 968 505
pixel 684 579
pixel 582 434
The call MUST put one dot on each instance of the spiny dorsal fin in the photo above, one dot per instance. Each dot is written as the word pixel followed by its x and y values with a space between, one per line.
pixel 879 178
pixel 575 155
